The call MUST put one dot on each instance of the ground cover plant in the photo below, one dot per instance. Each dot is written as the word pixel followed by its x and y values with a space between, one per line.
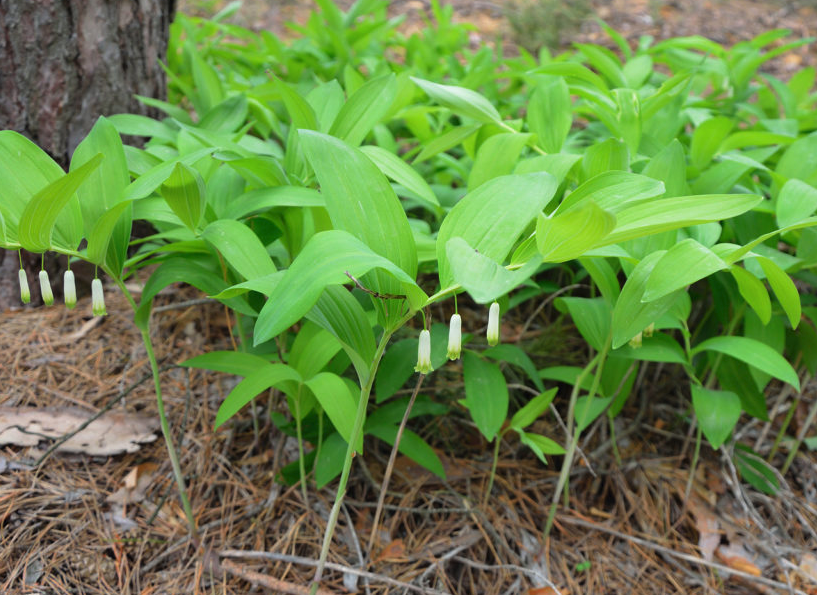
pixel 337 192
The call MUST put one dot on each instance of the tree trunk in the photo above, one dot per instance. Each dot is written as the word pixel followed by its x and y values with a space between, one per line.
pixel 64 63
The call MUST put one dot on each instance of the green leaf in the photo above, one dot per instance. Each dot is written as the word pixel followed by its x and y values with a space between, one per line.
pixel 588 409
pixel 631 314
pixel 569 235
pixel 361 201
pixel 484 279
pixel 592 316
pixel 325 260
pixel 402 173
pixel 658 348
pixel 784 289
pixel 442 143
pixel 612 191
pixel 753 352
pixel 364 109
pixel 685 263
pixel 341 314
pixel 672 213
pixel 753 291
pixel 796 201
pixel 237 363
pixel 40 214
pixel 255 383
pixel 707 138
pixel 516 356
pixel 717 411
pixel 486 394
pixel 184 192
pixel 540 445
pixel 491 218
pixel 209 91
pixel 412 446
pixel 496 157
pixel 461 101
pixel 330 462
pixel 338 402
pixel 149 181
pixel 628 115
pixel 312 350
pixel 240 247
pixel 100 250
pixel 755 471
pixel 227 116
pixel 533 409
pixel 550 113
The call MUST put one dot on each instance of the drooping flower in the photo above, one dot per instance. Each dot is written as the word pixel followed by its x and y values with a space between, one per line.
pixel 636 341
pixel 424 353
pixel 493 324
pixel 455 337
pixel 69 289
pixel 45 289
pixel 650 330
pixel 25 293
pixel 97 298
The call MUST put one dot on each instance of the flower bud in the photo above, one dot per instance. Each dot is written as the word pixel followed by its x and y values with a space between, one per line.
pixel 424 353
pixel 493 324
pixel 650 330
pixel 97 298
pixel 25 293
pixel 45 289
pixel 455 337
pixel 69 289
pixel 636 341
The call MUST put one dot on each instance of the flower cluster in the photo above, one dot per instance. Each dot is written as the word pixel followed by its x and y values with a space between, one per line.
pixel 454 339
pixel 69 291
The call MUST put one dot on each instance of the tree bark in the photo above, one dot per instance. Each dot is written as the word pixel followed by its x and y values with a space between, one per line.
pixel 64 63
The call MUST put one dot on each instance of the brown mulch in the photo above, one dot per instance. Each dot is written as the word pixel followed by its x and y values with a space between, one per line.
pixel 626 529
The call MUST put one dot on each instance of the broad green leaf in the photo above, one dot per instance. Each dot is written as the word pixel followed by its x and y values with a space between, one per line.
pixel 588 409
pixel 341 314
pixel 605 62
pixel 338 402
pixel 540 445
pixel 533 409
pixel 574 70
pixel 603 276
pixel 663 214
pixel 326 99
pixel 658 348
pixel 264 199
pixel 512 354
pixel 364 109
pixel 330 462
pixel 795 201
pixel 237 363
pixel 312 350
pixel 184 192
pixel 483 278
pixel 753 291
pixel 784 289
pixel 461 101
pixel 612 191
pixel 629 118
pixel 102 192
pixel 227 116
pixel 569 235
pixel 145 184
pixel 325 260
pixel 395 368
pixel 753 352
pixel 752 138
pixel 496 157
pixel 707 138
pixel 592 317
pixel 631 315
pixel 209 91
pixel 449 140
pixel 361 201
pixel 737 377
pixel 240 247
pixel 402 173
pixel 685 263
pixel 138 125
pixel 42 211
pixel 755 471
pixel 800 160
pixel 607 155
pixel 486 394
pixel 255 383
pixel 491 218
pixel 717 411
pixel 669 166
pixel 550 113
pixel 412 446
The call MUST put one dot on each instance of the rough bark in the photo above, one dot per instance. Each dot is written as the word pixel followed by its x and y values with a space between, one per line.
pixel 63 63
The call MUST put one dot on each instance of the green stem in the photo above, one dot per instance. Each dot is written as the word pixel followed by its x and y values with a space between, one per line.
pixel 300 436
pixel 801 435
pixel 357 433
pixel 160 405
pixel 490 487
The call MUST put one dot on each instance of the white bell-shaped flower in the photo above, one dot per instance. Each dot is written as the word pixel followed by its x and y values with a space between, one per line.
pixel 45 289
pixel 493 324
pixel 25 292
pixel 455 337
pixel 424 353
pixel 97 298
pixel 69 289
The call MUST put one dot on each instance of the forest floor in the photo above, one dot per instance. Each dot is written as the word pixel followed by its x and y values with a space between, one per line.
pixel 638 520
